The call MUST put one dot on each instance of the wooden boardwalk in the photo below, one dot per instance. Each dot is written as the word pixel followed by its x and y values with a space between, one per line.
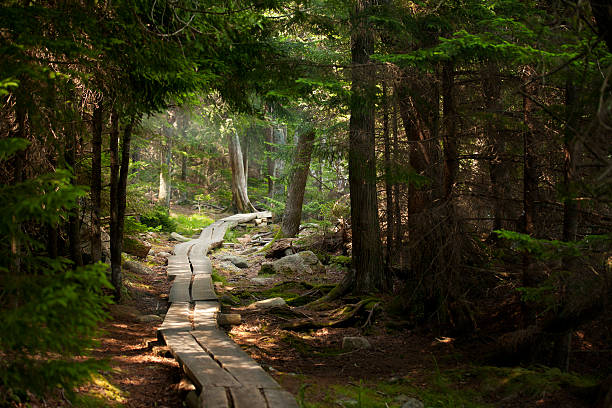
pixel 224 375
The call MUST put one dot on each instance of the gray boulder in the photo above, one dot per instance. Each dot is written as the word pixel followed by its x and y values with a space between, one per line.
pixel 228 266
pixel 305 262
pixel 413 403
pixel 150 319
pixel 235 259
pixel 261 281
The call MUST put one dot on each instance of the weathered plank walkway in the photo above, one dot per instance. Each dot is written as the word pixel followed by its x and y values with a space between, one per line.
pixel 224 375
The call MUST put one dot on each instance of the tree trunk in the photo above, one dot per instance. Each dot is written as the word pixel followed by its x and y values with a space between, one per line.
pixel 396 190
pixel 280 139
pixel 388 177
pixel 119 174
pixel 530 180
pixel 96 185
pixel 367 252
pixel 269 137
pixel 74 230
pixel 240 197
pixel 451 164
pixel 297 185
pixel 498 167
pixel 165 187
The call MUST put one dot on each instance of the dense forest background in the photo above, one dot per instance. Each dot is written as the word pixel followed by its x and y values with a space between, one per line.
pixel 458 153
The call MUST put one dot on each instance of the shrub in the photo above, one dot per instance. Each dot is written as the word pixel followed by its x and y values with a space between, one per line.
pixel 159 217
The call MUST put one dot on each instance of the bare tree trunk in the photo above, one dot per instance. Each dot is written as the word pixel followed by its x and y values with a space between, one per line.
pixel 297 185
pixel 280 139
pixel 269 137
pixel 396 190
pixel 451 164
pixel 119 174
pixel 165 187
pixel 530 180
pixel 367 251
pixel 388 177
pixel 240 197
pixel 74 230
pixel 96 185
pixel 498 167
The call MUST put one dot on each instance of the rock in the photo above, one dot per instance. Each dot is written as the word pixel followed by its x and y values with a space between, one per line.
pixel 228 266
pixel 413 403
pixel 136 247
pixel 151 252
pixel 301 263
pixel 236 260
pixel 231 319
pixel 261 281
pixel 192 400
pixel 164 254
pixel 178 237
pixel 267 268
pixel 185 386
pixel 355 343
pixel 312 260
pixel 248 251
pixel 150 319
pixel 268 303
pixel 137 267
pixel 347 402
pixel 277 249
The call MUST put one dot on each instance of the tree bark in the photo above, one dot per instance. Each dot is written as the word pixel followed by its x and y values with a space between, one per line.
pixel 451 165
pixel 119 175
pixel 388 177
pixel 396 189
pixel 74 230
pixel 96 185
pixel 165 188
pixel 297 185
pixel 367 251
pixel 280 139
pixel 530 181
pixel 240 197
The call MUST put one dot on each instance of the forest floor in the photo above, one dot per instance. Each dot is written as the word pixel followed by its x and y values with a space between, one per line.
pixel 400 365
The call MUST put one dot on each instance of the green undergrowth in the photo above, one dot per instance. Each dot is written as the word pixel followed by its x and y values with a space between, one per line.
pixel 189 225
pixel 470 387
pixel 218 278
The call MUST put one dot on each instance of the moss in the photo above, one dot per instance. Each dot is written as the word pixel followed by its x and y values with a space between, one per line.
pixel 341 260
pixel 218 278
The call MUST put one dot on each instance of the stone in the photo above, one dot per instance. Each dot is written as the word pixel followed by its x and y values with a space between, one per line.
pixel 267 268
pixel 136 247
pixel 268 303
pixel 150 319
pixel 248 251
pixel 236 260
pixel 413 403
pixel 151 252
pixel 137 267
pixel 311 260
pixel 164 254
pixel 178 237
pixel 261 281
pixel 355 343
pixel 228 266
pixel 277 248
pixel 230 319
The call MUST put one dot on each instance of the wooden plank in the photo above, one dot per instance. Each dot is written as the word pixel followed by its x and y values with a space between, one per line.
pixel 179 292
pixel 177 318
pixel 214 397
pixel 183 248
pixel 199 250
pixel 202 288
pixel 278 398
pixel 205 314
pixel 247 397
pixel 233 358
pixel 197 364
pixel 203 266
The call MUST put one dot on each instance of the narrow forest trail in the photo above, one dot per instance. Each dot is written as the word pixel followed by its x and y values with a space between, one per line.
pixel 224 375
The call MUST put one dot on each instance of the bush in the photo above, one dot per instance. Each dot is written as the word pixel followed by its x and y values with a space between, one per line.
pixel 159 217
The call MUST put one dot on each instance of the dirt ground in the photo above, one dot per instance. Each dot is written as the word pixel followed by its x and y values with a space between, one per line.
pixel 402 362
